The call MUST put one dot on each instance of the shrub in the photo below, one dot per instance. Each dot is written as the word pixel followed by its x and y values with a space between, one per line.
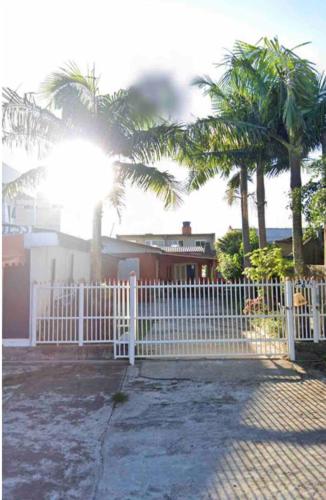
pixel 229 250
pixel 272 327
pixel 267 263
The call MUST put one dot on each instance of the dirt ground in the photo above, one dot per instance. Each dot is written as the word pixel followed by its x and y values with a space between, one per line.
pixel 189 430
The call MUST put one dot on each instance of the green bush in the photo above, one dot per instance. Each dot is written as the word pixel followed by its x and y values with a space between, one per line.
pixel 267 263
pixel 272 327
pixel 229 250
pixel 230 266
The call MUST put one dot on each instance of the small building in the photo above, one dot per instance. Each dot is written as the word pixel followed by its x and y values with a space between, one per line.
pixel 26 210
pixel 186 240
pixel 38 256
pixel 44 256
pixel 168 262
pixel 313 249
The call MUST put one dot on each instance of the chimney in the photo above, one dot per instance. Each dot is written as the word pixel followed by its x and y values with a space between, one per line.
pixel 186 228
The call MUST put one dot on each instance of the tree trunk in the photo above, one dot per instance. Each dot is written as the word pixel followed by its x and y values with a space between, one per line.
pixel 244 214
pixel 260 197
pixel 96 244
pixel 296 206
pixel 323 152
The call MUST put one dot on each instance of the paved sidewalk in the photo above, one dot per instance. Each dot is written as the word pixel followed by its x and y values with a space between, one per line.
pixel 54 417
pixel 217 429
pixel 189 430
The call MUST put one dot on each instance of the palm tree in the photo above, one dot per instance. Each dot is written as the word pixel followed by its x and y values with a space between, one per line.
pixel 283 98
pixel 295 91
pixel 234 138
pixel 123 125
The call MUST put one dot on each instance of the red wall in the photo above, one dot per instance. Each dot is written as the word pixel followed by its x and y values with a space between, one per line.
pixel 167 262
pixel 15 301
pixel 110 267
pixel 148 263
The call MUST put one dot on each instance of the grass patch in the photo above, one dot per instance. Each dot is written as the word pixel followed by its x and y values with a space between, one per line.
pixel 119 397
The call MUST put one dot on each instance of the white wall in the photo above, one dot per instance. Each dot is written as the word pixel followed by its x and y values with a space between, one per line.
pixel 41 264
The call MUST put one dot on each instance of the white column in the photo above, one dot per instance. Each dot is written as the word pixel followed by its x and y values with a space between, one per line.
pixel 289 318
pixel 81 314
pixel 132 319
pixel 315 311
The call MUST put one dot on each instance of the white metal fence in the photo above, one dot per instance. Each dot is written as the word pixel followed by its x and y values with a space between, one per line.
pixel 190 319
pixel 79 313
pixel 310 317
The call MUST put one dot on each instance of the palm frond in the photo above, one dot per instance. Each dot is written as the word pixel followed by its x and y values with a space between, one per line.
pixel 163 184
pixel 199 177
pixel 233 188
pixel 27 125
pixel 116 198
pixel 28 181
pixel 147 146
pixel 68 88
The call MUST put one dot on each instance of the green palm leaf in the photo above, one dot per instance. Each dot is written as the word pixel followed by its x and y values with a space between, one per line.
pixel 163 184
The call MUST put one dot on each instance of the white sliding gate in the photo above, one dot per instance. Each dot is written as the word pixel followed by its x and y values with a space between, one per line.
pixel 190 319
pixel 80 313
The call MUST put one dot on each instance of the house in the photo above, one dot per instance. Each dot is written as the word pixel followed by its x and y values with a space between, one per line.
pixel 313 249
pixel 179 256
pixel 36 256
pixel 186 241
pixel 274 234
pixel 26 210
pixel 45 256
pixel 154 263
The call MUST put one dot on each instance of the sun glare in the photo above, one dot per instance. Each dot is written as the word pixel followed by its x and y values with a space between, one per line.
pixel 79 175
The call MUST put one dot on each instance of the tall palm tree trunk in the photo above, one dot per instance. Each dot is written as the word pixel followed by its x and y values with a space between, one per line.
pixel 296 205
pixel 260 198
pixel 323 151
pixel 96 244
pixel 244 213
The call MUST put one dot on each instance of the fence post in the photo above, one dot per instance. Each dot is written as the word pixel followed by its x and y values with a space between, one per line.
pixel 315 311
pixel 290 318
pixel 34 315
pixel 115 320
pixel 132 319
pixel 81 314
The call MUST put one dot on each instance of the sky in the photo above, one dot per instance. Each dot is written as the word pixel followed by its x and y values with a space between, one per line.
pixel 127 38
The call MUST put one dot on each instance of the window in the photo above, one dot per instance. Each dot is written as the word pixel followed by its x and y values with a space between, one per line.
pixel 175 243
pixel 201 243
pixel 185 272
pixel 155 243
pixel 204 271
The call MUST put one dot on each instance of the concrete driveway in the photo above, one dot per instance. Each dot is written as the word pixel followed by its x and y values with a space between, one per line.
pixel 189 430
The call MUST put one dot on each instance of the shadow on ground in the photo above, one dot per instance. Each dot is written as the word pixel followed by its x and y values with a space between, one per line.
pixel 189 430
pixel 217 429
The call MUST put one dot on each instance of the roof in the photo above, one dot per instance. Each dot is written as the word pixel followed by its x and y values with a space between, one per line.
pixel 114 245
pixel 165 235
pixel 278 233
pixel 275 233
pixel 43 238
pixel 183 249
